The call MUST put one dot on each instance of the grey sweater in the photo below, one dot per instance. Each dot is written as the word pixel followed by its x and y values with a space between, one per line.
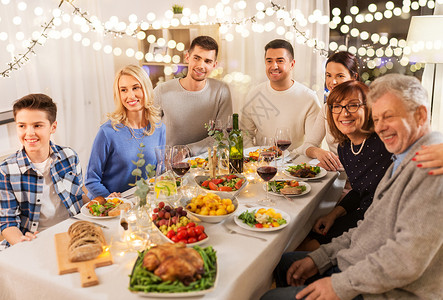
pixel 185 112
pixel 396 251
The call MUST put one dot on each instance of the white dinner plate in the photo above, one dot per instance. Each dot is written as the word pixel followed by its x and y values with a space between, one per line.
pixel 322 174
pixel 85 211
pixel 253 149
pixel 308 189
pixel 247 227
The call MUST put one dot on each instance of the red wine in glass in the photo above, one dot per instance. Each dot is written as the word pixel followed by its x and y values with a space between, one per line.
pixel 266 172
pixel 181 168
pixel 229 129
pixel 283 144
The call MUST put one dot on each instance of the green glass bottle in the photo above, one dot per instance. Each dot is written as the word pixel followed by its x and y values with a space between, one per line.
pixel 235 147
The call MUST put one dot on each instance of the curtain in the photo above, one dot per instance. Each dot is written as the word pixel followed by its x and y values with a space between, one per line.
pixel 78 78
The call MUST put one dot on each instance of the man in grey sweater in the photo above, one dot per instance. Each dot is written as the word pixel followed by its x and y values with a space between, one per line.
pixel 396 251
pixel 188 103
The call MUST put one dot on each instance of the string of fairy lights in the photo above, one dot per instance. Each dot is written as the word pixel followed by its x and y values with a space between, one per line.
pixel 230 17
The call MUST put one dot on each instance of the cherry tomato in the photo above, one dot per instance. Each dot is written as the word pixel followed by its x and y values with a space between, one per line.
pixel 192 240
pixel 181 228
pixel 182 234
pixel 230 177
pixel 213 186
pixel 170 234
pixel 294 183
pixel 258 225
pixel 239 184
pixel 183 241
pixel 174 239
pixel 225 188
pixel 190 224
pixel 205 183
pixel 191 232
pixel 199 229
pixel 202 236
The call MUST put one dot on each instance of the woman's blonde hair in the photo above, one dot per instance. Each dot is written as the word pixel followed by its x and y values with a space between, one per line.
pixel 338 94
pixel 151 112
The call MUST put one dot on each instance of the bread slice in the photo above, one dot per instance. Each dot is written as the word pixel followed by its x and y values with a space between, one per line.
pixel 116 211
pixel 87 241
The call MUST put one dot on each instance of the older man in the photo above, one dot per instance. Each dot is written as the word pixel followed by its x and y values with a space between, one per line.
pixel 396 251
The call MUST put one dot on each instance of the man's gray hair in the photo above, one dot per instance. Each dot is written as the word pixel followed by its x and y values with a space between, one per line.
pixel 406 88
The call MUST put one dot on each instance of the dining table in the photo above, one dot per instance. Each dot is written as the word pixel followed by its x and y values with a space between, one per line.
pixel 29 270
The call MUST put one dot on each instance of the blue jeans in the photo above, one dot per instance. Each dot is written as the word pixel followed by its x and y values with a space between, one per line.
pixel 283 290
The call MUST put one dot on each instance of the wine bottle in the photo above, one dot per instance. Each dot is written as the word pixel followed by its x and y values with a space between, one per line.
pixel 235 147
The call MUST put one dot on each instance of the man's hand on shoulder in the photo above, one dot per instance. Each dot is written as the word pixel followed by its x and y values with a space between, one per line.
pixel 319 289
pixel 301 270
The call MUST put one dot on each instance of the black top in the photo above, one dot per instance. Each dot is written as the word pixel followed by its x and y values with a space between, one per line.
pixel 364 170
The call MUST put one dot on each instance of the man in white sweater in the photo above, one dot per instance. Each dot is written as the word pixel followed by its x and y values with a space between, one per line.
pixel 396 251
pixel 279 102
pixel 188 103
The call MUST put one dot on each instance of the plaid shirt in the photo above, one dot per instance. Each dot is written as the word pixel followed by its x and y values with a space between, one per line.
pixel 21 187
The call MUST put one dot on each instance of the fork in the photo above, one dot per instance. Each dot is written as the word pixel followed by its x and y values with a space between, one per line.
pixel 231 231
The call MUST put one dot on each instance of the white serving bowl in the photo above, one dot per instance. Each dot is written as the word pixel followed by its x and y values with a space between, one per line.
pixel 199 180
pixel 212 219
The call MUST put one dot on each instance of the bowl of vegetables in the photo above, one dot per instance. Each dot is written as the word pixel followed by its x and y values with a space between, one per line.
pixel 232 184
pixel 210 207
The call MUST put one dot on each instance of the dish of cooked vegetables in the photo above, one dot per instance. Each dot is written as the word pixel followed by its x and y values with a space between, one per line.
pixel 305 172
pixel 174 271
pixel 289 188
pixel 105 207
pixel 262 219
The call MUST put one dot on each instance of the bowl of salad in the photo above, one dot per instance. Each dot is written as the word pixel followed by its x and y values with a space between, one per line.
pixel 232 183
pixel 103 208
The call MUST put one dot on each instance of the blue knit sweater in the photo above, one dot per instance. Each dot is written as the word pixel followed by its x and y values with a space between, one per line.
pixel 110 164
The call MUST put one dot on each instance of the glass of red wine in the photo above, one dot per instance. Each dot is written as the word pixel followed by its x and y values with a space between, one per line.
pixel 180 161
pixel 266 169
pixel 283 140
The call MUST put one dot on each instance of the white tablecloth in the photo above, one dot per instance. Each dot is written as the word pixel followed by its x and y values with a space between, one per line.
pixel 29 270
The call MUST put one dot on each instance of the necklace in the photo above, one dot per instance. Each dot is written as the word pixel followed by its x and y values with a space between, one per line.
pixel 133 133
pixel 361 148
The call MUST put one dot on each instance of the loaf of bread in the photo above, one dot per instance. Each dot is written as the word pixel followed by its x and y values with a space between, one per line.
pixel 87 241
pixel 116 211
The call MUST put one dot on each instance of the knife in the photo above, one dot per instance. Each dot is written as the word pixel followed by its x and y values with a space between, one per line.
pixel 100 225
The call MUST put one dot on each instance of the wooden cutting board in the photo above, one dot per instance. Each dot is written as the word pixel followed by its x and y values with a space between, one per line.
pixel 85 268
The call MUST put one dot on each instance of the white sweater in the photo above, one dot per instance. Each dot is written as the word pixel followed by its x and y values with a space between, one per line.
pixel 318 132
pixel 265 109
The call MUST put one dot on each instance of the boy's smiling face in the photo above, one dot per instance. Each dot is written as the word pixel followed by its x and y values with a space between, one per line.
pixel 34 132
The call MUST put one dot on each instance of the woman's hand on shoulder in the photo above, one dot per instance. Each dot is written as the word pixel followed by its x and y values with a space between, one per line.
pixel 431 157
pixel 328 160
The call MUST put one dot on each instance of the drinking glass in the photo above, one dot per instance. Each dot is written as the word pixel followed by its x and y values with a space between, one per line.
pixel 180 160
pixel 283 141
pixel 229 124
pixel 266 169
pixel 216 125
pixel 268 144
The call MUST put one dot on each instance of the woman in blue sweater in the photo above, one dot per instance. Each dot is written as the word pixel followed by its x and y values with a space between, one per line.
pixel 135 120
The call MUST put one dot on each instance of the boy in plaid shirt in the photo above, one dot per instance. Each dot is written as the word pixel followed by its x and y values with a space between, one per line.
pixel 41 184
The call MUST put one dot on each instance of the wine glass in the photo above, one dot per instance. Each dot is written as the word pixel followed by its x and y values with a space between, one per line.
pixel 268 144
pixel 283 140
pixel 180 160
pixel 216 125
pixel 266 169
pixel 229 124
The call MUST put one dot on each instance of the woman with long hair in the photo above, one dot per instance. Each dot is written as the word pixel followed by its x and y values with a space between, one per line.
pixel 340 67
pixel 135 121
